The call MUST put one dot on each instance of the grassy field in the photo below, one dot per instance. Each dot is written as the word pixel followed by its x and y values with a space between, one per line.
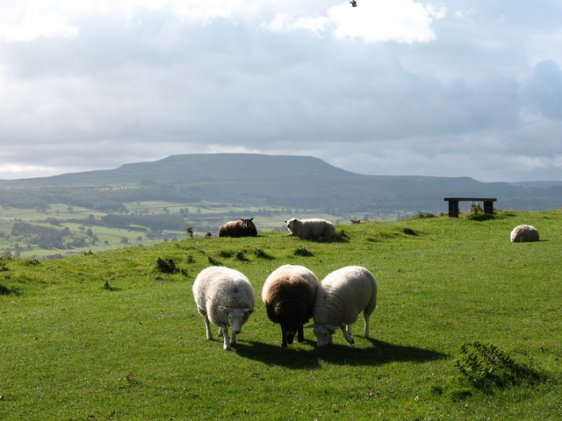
pixel 204 217
pixel 110 336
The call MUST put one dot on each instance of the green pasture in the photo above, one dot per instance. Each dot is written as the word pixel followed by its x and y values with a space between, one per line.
pixel 110 336
pixel 204 217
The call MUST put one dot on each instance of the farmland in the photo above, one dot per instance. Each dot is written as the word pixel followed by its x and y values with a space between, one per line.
pixel 60 230
pixel 108 335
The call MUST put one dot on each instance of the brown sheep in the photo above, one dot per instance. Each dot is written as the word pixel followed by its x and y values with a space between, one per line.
pixel 239 228
pixel 288 294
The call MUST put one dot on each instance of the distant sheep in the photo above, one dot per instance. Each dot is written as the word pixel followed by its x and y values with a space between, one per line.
pixel 311 229
pixel 524 233
pixel 239 228
pixel 288 294
pixel 225 298
pixel 341 296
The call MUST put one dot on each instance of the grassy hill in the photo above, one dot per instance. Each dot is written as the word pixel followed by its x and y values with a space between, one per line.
pixel 111 336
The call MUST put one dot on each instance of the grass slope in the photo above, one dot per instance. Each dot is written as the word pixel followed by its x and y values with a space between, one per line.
pixel 109 336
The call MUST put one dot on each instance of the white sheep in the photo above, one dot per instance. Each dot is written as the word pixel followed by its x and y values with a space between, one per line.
pixel 311 229
pixel 341 296
pixel 524 233
pixel 225 298
pixel 288 294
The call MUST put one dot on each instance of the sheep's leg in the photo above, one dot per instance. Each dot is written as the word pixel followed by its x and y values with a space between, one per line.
pixel 219 333
pixel 300 336
pixel 207 328
pixel 366 328
pixel 346 329
pixel 233 338
pixel 226 344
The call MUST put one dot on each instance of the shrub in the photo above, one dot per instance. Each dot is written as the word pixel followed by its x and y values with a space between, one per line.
pixel 487 367
pixel 166 265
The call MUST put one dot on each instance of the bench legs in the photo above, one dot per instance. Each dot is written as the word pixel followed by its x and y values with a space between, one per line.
pixel 488 207
pixel 453 208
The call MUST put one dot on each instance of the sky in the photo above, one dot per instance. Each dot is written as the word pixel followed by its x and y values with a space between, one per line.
pixel 390 87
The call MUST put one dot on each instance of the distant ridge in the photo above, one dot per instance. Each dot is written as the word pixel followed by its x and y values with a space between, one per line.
pixel 295 182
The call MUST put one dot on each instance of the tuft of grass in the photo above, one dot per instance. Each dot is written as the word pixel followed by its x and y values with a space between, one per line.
pixel 303 252
pixel 214 261
pixel 260 254
pixel 409 231
pixel 166 265
pixel 241 256
pixel 226 254
pixel 4 290
pixel 423 215
pixel 487 367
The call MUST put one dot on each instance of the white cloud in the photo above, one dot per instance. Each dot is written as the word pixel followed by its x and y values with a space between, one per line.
pixel 402 21
pixel 28 24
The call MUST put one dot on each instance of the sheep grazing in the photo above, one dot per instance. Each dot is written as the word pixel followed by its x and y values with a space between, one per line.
pixel 225 298
pixel 239 228
pixel 311 229
pixel 524 233
pixel 288 294
pixel 341 296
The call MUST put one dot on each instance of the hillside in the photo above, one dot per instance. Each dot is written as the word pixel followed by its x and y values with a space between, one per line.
pixel 115 335
pixel 278 181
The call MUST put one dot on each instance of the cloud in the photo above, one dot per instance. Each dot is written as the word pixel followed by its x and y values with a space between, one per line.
pixel 545 89
pixel 25 24
pixel 387 87
pixel 402 21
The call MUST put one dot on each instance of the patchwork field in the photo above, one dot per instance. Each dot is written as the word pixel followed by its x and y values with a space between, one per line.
pixel 110 335
pixel 61 230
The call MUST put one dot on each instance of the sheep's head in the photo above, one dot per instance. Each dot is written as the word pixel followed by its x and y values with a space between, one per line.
pixel 291 224
pixel 248 226
pixel 323 334
pixel 237 317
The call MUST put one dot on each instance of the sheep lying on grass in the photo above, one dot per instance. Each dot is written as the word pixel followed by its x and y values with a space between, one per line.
pixel 524 233
pixel 311 229
pixel 341 296
pixel 225 298
pixel 239 228
pixel 288 294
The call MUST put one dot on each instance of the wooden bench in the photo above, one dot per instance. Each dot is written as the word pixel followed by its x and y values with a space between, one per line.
pixel 454 204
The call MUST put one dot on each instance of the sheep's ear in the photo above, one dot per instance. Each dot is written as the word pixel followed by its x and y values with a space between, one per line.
pixel 333 328
pixel 248 310
pixel 251 219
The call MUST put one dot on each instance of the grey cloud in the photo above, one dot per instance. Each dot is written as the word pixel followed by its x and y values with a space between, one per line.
pixel 163 85
pixel 545 89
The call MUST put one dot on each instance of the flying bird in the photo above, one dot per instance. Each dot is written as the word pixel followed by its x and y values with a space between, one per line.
pixel 353 3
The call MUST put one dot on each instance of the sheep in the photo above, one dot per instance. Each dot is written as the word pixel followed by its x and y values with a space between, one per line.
pixel 524 233
pixel 341 296
pixel 311 229
pixel 225 298
pixel 239 228
pixel 288 294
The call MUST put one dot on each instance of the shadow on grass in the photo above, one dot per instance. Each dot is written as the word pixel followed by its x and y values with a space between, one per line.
pixel 380 353
pixel 274 355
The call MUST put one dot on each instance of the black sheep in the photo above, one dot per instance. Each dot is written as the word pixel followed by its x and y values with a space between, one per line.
pixel 289 294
